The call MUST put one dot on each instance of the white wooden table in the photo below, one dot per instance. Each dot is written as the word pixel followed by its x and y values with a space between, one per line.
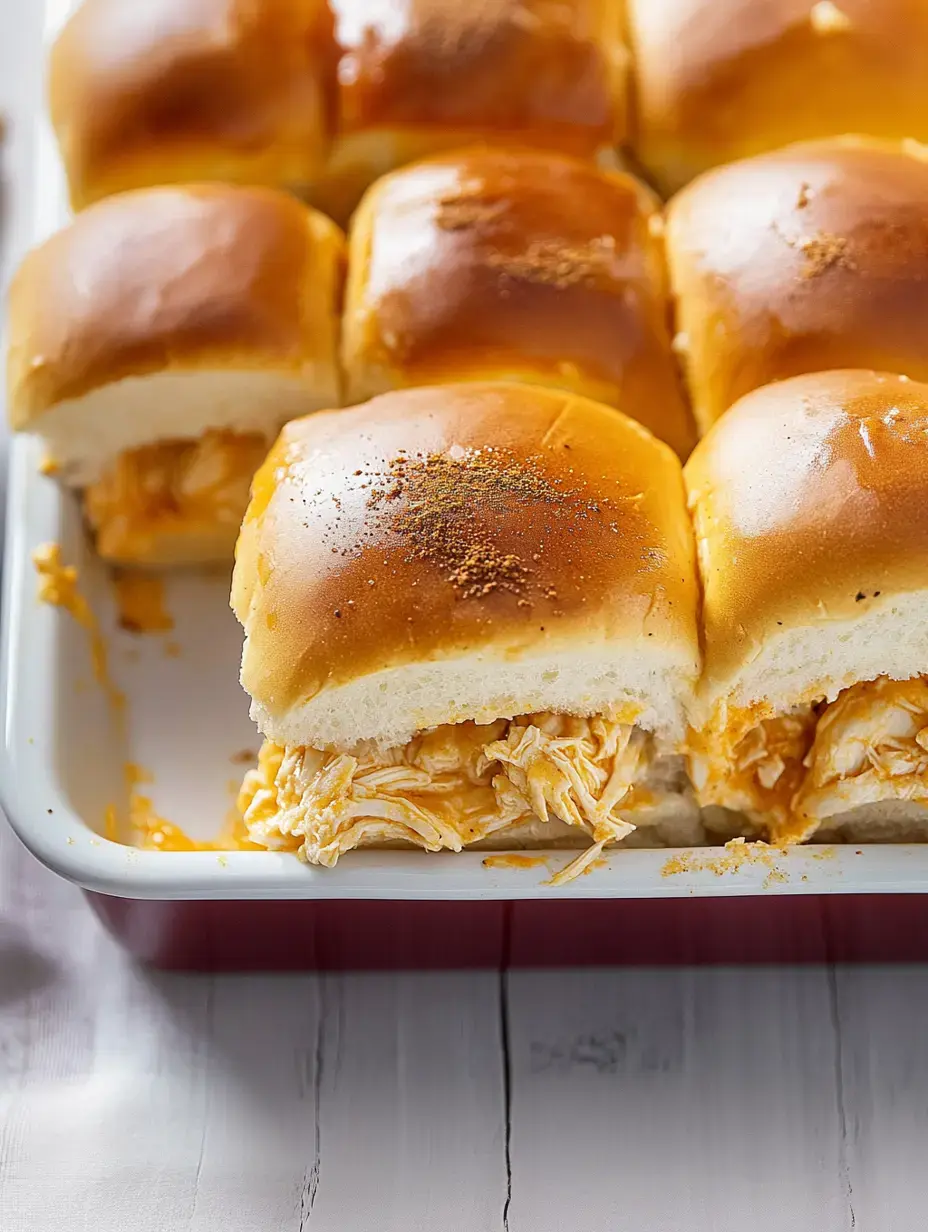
pixel 598 1101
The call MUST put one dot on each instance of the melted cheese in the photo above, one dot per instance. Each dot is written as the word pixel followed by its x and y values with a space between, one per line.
pixel 789 773
pixel 174 501
pixel 450 787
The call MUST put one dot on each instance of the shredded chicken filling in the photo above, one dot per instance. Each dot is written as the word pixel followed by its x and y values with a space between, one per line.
pixel 791 772
pixel 170 488
pixel 449 787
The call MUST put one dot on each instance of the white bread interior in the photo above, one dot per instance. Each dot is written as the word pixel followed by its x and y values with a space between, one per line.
pixel 391 706
pixel 84 435
pixel 817 660
pixel 883 821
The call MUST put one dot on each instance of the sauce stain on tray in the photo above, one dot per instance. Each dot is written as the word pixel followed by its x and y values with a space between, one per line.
pixel 58 587
pixel 148 830
pixel 140 601
pixel 513 860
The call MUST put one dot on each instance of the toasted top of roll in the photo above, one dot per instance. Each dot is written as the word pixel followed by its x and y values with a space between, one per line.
pixel 530 70
pixel 809 258
pixel 464 552
pixel 810 503
pixel 162 91
pixel 422 76
pixel 492 263
pixel 717 80
pixel 174 283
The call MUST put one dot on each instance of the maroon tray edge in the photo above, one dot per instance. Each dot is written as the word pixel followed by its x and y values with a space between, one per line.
pixel 341 935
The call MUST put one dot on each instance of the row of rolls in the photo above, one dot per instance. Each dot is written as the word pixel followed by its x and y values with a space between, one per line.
pixel 497 615
pixel 159 341
pixel 324 96
pixel 485 604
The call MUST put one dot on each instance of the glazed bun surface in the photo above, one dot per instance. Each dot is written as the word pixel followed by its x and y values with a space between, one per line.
pixel 491 264
pixel 322 98
pixel 548 74
pixel 465 552
pixel 147 92
pixel 421 76
pixel 717 80
pixel 810 258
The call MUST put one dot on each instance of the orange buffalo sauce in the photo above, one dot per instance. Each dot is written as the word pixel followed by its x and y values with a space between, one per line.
pixel 513 860
pixel 58 586
pixel 140 600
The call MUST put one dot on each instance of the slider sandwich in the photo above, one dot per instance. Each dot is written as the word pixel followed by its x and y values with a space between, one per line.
pixel 470 619
pixel 147 92
pixel 717 80
pixel 810 258
pixel 157 345
pixel 422 76
pixel 512 264
pixel 810 505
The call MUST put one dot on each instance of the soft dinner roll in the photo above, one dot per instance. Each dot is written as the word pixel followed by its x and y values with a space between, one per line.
pixel 470 616
pixel 513 264
pixel 810 502
pixel 810 258
pixel 323 98
pixel 717 80
pixel 158 343
pixel 418 76
pixel 148 92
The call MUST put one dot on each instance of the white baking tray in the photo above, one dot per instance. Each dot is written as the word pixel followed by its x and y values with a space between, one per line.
pixel 63 754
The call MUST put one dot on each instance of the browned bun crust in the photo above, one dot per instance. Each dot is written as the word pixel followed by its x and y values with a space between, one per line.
pixel 810 503
pixel 524 70
pixel 321 97
pixel 717 80
pixel 509 263
pixel 810 258
pixel 464 520
pixel 174 279
pixel 146 93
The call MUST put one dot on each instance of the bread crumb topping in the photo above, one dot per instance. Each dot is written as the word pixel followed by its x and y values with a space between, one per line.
pixel 738 854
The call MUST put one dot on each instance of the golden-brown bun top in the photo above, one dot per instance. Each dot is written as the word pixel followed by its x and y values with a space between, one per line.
pixel 160 91
pixel 548 72
pixel 723 79
pixel 506 262
pixel 809 258
pixel 171 279
pixel 460 520
pixel 810 502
